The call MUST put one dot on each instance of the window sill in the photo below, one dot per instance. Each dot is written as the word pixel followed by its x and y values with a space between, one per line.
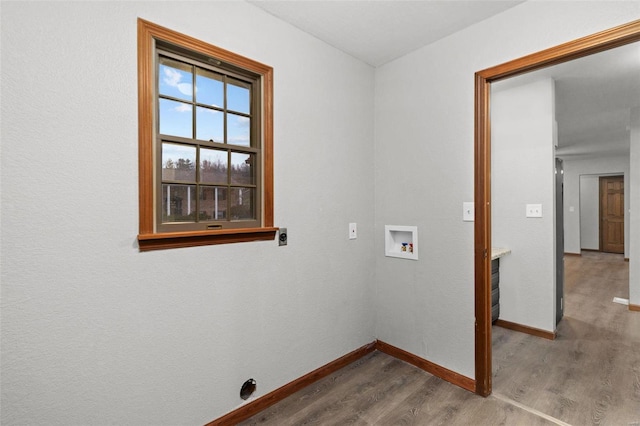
pixel 169 240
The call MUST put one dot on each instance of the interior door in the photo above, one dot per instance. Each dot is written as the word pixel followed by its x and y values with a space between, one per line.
pixel 612 214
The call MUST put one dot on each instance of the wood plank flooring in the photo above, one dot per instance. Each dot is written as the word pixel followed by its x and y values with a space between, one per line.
pixel 589 375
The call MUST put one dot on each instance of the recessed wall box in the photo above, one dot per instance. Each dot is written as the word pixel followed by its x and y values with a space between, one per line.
pixel 401 241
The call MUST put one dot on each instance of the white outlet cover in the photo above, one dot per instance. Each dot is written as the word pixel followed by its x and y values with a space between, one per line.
pixel 534 210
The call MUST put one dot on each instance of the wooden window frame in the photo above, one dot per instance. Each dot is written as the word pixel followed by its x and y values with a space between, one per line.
pixel 149 238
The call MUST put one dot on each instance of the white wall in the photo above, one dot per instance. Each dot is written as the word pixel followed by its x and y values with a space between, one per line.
pixel 522 172
pixel 94 332
pixel 589 214
pixel 424 168
pixel 582 225
pixel 634 206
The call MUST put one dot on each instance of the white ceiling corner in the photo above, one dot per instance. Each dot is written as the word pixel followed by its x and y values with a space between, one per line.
pixel 379 31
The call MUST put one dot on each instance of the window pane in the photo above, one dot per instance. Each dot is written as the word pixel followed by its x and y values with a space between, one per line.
pixel 209 88
pixel 241 202
pixel 175 118
pixel 209 124
pixel 238 130
pixel 238 97
pixel 178 203
pixel 242 168
pixel 175 79
pixel 213 203
pixel 213 166
pixel 178 162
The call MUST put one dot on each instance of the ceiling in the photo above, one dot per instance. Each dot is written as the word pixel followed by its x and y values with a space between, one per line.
pixel 593 94
pixel 379 31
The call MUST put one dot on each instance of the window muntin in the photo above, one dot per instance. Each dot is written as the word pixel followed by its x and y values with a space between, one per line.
pixel 208 145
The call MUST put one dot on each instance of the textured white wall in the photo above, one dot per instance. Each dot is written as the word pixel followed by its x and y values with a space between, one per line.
pixel 589 213
pixel 522 172
pixel 424 168
pixel 575 171
pixel 94 332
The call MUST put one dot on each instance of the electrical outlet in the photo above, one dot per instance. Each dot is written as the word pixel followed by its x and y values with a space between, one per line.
pixel 282 237
pixel 534 210
pixel 353 231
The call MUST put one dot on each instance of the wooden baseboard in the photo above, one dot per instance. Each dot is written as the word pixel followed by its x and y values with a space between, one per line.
pixel 265 401
pixel 634 307
pixel 254 407
pixel 526 329
pixel 428 366
pixel 626 259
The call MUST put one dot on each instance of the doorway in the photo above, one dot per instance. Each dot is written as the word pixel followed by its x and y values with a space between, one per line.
pixel 605 40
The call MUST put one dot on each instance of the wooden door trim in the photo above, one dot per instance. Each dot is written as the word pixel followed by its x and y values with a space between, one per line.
pixel 604 40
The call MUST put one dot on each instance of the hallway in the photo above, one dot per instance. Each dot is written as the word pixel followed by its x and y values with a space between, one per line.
pixel 591 373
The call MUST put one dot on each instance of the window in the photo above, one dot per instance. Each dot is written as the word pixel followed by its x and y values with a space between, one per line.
pixel 205 143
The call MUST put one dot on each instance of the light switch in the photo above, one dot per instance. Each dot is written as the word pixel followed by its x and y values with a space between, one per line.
pixel 534 210
pixel 468 211
pixel 353 231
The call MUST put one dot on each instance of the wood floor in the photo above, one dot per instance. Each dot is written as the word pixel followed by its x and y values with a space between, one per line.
pixel 589 375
